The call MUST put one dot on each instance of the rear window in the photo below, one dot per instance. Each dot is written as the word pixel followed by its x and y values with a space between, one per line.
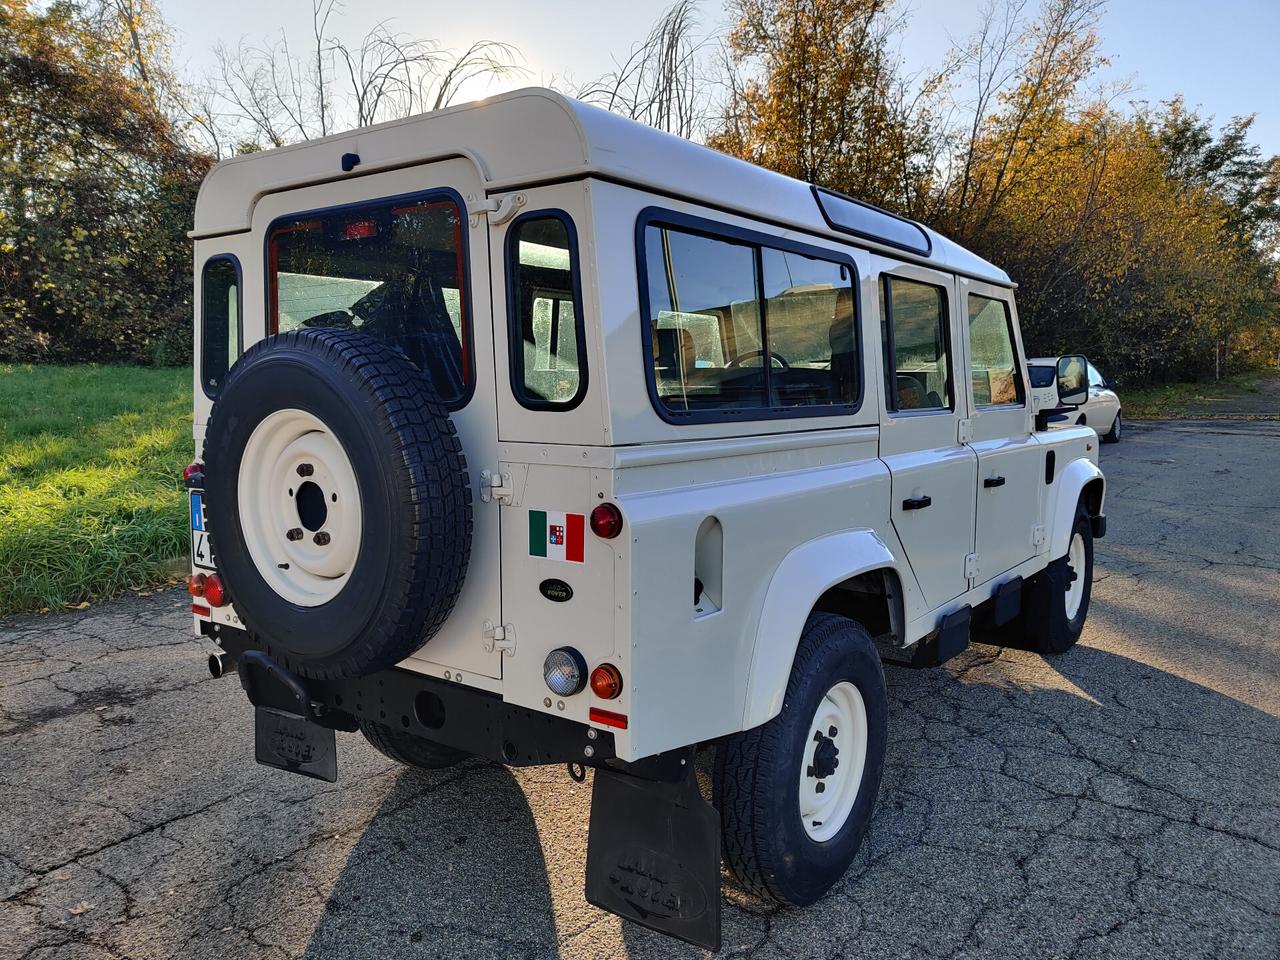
pixel 1042 376
pixel 548 355
pixel 220 321
pixel 393 270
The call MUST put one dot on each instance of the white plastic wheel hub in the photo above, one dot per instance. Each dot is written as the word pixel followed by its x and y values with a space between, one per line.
pixel 835 754
pixel 1076 573
pixel 299 507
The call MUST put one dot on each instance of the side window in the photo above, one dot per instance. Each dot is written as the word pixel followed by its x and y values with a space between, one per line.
pixel 739 328
pixel 1096 379
pixel 548 355
pixel 704 322
pixel 994 366
pixel 393 270
pixel 917 348
pixel 219 321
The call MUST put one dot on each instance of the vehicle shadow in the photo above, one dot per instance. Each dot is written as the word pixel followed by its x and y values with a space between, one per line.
pixel 445 871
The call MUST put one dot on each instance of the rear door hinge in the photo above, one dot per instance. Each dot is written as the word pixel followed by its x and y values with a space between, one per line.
pixel 501 637
pixel 964 433
pixel 1038 535
pixel 971 568
pixel 498 209
pixel 496 485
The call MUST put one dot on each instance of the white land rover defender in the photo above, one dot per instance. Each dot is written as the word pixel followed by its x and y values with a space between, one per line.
pixel 533 434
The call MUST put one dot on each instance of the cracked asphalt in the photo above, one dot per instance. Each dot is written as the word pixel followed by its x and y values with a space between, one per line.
pixel 1120 801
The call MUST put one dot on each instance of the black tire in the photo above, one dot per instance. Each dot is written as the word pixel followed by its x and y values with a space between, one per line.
pixel 757 772
pixel 1044 623
pixel 415 541
pixel 412 751
pixel 1113 435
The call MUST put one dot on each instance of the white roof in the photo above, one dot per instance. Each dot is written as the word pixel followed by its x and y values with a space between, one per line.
pixel 533 135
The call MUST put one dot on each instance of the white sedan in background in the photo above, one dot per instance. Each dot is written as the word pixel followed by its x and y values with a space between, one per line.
pixel 1101 411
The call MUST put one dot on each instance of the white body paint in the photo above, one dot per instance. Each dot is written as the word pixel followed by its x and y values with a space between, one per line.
pixel 770 513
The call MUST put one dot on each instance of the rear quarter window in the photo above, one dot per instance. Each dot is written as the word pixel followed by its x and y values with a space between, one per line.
pixel 220 302
pixel 1042 376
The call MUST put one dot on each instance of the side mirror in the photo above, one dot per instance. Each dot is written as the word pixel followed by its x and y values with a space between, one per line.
pixel 1073 380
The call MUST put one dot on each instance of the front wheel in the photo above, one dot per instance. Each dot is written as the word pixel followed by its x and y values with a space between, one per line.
pixel 1055 603
pixel 796 794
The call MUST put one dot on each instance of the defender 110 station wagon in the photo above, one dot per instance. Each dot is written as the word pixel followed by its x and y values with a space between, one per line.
pixel 533 434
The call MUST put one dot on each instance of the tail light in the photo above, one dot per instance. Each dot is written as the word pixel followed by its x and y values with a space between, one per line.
pixel 606 521
pixel 214 592
pixel 606 681
pixel 196 583
pixel 193 471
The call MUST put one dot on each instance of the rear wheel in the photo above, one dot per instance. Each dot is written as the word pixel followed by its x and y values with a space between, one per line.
pixel 796 794
pixel 410 750
pixel 1113 435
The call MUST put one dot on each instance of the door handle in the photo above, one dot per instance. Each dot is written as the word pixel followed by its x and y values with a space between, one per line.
pixel 993 482
pixel 916 503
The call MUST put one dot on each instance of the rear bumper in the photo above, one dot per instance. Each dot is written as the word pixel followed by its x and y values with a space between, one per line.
pixel 475 721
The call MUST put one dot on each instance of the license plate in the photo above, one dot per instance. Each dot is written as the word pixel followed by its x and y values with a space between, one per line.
pixel 288 742
pixel 201 556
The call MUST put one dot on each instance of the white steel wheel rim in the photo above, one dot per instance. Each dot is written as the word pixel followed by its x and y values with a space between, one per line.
pixel 299 507
pixel 1075 563
pixel 827 795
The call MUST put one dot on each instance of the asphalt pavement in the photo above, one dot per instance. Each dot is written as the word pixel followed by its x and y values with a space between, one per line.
pixel 1120 801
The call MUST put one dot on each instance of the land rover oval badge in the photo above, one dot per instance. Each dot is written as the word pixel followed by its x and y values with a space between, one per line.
pixel 556 590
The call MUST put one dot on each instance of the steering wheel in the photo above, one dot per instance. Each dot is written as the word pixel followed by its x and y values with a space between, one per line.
pixel 752 354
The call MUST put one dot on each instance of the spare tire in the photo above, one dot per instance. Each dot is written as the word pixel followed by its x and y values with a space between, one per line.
pixel 337 501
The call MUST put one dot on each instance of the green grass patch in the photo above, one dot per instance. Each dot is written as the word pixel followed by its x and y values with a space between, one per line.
pixel 1242 395
pixel 91 498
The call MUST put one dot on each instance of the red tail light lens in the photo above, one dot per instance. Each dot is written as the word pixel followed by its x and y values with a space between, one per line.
pixel 606 521
pixel 192 470
pixel 214 591
pixel 196 584
pixel 606 681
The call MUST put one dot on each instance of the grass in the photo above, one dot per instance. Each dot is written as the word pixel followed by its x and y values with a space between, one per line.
pixel 91 499
pixel 1244 395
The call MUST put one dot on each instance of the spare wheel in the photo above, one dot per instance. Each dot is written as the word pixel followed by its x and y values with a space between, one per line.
pixel 337 500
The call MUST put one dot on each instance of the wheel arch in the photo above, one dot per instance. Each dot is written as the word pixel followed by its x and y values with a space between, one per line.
pixel 852 573
pixel 1080 480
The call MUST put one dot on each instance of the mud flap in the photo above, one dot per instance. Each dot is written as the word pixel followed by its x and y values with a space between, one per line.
pixel 653 855
pixel 285 732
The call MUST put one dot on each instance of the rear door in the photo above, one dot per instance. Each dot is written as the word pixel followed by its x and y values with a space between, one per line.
pixel 1010 459
pixel 933 473
pixel 398 252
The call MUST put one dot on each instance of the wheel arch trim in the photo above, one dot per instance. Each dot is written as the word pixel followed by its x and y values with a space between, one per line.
pixel 804 575
pixel 1078 477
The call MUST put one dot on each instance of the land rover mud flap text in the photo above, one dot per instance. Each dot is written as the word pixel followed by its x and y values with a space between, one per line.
pixel 285 734
pixel 653 856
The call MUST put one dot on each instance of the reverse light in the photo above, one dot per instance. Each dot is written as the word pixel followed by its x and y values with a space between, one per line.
pixel 606 681
pixel 607 718
pixel 214 592
pixel 565 671
pixel 196 583
pixel 606 521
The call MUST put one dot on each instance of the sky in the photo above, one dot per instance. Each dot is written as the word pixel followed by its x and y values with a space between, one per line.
pixel 1220 55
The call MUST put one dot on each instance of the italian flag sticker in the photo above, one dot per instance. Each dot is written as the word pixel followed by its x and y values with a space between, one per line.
pixel 556 536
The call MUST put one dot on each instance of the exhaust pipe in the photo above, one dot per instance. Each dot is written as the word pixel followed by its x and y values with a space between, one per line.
pixel 219 663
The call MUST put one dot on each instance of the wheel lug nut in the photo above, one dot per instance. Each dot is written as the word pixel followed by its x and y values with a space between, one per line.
pixel 295 533
pixel 321 539
pixel 832 732
pixel 819 787
pixel 305 469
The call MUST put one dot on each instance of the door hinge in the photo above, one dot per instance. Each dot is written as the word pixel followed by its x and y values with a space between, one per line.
pixel 1038 535
pixel 964 433
pixel 496 486
pixel 971 566
pixel 501 637
pixel 498 209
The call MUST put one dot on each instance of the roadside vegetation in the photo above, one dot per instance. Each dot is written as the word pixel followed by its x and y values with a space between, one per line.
pixel 91 500
pixel 1245 396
